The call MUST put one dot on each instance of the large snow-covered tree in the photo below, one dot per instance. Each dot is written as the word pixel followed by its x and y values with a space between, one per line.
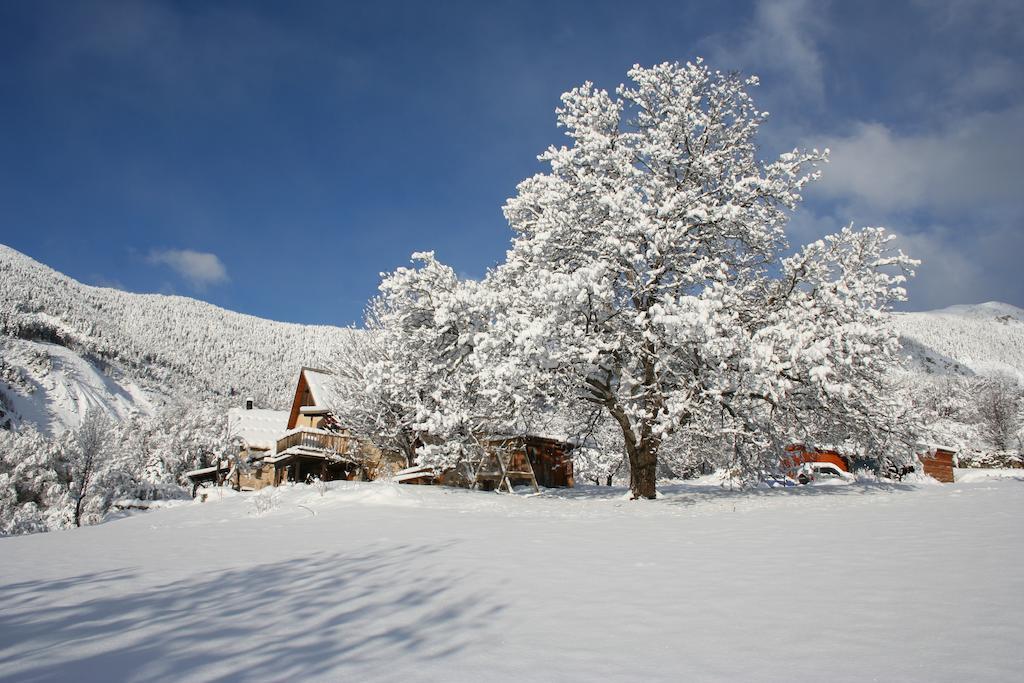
pixel 649 276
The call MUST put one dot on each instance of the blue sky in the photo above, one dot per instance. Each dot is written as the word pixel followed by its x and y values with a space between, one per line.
pixel 274 158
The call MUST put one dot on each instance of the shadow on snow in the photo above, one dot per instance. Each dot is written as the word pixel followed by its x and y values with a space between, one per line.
pixel 290 620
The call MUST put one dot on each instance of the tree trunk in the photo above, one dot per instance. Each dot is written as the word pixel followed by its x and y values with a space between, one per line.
pixel 643 467
pixel 82 489
pixel 642 455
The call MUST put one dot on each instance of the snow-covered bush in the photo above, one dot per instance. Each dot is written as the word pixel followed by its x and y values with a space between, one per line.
pixel 263 501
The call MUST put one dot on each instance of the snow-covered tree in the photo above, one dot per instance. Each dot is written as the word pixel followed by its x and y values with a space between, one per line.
pixel 1000 406
pixel 91 444
pixel 420 394
pixel 74 479
pixel 599 456
pixel 35 497
pixel 648 277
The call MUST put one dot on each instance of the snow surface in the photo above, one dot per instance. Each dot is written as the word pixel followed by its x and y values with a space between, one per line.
pixel 62 386
pixel 973 475
pixel 984 339
pixel 259 427
pixel 381 582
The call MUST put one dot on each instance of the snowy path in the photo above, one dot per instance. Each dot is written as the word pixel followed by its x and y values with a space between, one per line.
pixel 415 583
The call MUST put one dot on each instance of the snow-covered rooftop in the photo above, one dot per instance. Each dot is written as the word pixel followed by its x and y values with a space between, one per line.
pixel 260 428
pixel 223 465
pixel 411 473
pixel 321 386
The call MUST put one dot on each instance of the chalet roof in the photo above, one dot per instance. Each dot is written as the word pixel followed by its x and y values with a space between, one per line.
pixel 549 425
pixel 321 386
pixel 260 428
pixel 313 410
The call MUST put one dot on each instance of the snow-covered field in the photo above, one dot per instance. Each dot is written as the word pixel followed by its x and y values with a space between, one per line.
pixel 379 582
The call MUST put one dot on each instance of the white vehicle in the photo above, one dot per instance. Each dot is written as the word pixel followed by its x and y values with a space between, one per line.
pixel 821 472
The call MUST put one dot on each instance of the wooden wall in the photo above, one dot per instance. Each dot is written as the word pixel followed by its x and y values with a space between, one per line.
pixel 797 455
pixel 938 463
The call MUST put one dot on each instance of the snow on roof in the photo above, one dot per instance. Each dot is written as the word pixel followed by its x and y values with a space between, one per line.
pixel 321 386
pixel 414 472
pixel 409 476
pixel 259 428
pixel 224 464
pixel 551 426
pixel 416 469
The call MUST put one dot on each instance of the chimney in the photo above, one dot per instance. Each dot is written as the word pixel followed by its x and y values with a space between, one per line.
pixel 248 404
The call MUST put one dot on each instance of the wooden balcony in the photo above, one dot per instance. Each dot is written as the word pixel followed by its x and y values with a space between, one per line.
pixel 315 439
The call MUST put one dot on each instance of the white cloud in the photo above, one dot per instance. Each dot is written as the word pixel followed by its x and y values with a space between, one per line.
pixel 947 275
pixel 969 162
pixel 971 260
pixel 781 39
pixel 199 268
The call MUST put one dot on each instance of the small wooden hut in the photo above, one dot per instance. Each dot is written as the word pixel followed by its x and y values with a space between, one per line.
pixel 938 464
pixel 530 459
pixel 417 474
pixel 214 475
pixel 797 454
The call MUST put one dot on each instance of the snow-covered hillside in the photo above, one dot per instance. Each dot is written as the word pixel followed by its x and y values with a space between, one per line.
pixel 982 339
pixel 65 346
pixel 380 582
pixel 52 387
pixel 135 351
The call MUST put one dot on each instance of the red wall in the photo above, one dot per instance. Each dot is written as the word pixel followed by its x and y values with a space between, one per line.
pixel 798 454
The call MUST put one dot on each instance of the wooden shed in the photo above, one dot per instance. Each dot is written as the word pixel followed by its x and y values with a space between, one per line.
pixel 797 454
pixel 549 458
pixel 938 463
pixel 215 475
pixel 417 474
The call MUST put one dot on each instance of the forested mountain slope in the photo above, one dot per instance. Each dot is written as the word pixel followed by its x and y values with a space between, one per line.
pixel 136 350
pixel 983 339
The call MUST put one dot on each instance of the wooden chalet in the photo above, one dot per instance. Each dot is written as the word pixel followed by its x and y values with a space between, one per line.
pixel 300 444
pixel 254 432
pixel 938 463
pixel 314 444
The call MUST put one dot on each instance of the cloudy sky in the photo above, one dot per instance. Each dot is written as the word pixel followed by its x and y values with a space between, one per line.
pixel 274 158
